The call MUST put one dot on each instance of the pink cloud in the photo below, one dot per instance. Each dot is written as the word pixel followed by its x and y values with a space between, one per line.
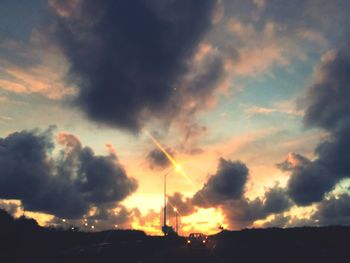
pixel 284 107
pixel 260 3
pixel 260 50
pixel 44 74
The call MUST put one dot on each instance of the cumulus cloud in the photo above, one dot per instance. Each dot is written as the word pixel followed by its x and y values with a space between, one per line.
pixel 243 212
pixel 228 183
pixel 309 183
pixel 323 110
pixel 109 216
pixel 225 190
pixel 9 207
pixel 293 161
pixel 183 205
pixel 158 160
pixel 326 107
pixel 333 211
pixel 106 216
pixel 279 220
pixel 134 61
pixel 282 220
pixel 276 200
pixel 66 186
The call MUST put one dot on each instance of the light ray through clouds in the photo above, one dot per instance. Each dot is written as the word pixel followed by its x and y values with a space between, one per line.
pixel 177 166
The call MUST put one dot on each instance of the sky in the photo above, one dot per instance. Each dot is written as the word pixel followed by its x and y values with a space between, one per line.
pixel 242 105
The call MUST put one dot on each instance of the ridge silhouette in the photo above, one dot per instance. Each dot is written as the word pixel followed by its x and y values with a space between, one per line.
pixel 23 240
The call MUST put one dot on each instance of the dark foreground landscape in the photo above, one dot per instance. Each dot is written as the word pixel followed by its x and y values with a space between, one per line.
pixel 22 240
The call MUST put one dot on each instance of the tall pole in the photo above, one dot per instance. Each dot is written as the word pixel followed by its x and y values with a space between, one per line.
pixel 165 229
pixel 164 225
pixel 177 227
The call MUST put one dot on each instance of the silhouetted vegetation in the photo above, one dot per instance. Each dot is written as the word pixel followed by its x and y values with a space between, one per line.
pixel 23 240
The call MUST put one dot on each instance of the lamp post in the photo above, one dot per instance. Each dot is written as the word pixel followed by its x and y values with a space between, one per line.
pixel 164 224
pixel 176 225
pixel 165 230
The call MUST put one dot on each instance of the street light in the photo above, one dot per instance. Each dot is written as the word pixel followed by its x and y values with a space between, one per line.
pixel 165 229
pixel 176 213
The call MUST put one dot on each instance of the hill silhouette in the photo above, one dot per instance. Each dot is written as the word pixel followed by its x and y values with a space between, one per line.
pixel 23 240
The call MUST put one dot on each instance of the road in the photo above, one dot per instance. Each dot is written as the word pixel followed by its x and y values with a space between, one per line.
pixel 184 254
pixel 302 245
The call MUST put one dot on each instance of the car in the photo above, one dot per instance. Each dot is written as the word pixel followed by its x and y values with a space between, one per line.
pixel 198 240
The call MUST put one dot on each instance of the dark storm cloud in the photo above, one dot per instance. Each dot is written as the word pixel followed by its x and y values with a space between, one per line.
pixel 107 212
pixel 309 183
pixel 131 58
pixel 25 175
pixel 105 217
pixel 293 161
pixel 226 188
pixel 243 212
pixel 327 107
pixel 333 211
pixel 228 183
pixel 183 205
pixel 327 101
pixel 276 200
pixel 158 160
pixel 101 179
pixel 225 191
pixel 67 186
pixel 109 216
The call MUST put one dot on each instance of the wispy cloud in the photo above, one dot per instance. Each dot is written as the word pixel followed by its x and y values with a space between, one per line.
pixel 37 68
pixel 5 119
pixel 262 47
pixel 283 107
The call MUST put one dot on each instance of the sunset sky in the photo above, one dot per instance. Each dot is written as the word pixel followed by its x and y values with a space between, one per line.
pixel 250 98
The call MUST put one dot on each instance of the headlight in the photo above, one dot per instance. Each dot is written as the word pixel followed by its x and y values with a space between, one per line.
pixel 203 241
pixel 188 241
